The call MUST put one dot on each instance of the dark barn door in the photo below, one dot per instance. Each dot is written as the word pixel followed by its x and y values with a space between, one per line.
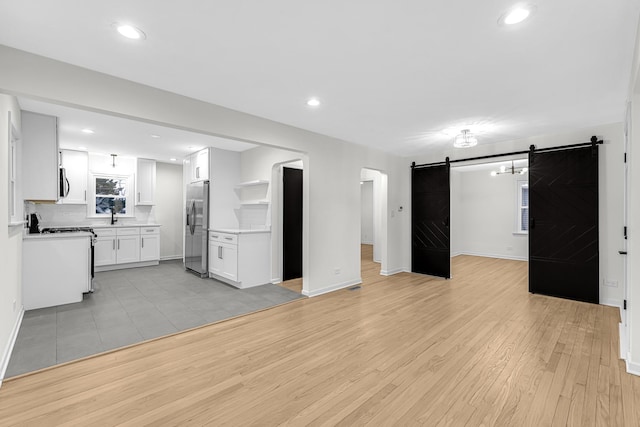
pixel 430 240
pixel 292 223
pixel 563 223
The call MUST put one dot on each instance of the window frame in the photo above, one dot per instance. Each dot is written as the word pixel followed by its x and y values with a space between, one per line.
pixel 520 184
pixel 129 192
pixel 13 172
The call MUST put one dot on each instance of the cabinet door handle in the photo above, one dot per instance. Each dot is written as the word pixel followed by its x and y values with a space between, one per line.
pixel 197 171
pixel 138 197
pixel 228 238
pixel 118 244
pixel 114 244
pixel 85 195
pixel 220 252
pixel 143 242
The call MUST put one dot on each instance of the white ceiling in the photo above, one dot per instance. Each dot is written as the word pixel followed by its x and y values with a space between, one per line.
pixel 124 137
pixel 391 75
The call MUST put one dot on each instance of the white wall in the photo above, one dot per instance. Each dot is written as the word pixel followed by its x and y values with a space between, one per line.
pixel 10 243
pixel 455 182
pixel 610 188
pixel 265 163
pixel 168 209
pixel 366 213
pixel 486 221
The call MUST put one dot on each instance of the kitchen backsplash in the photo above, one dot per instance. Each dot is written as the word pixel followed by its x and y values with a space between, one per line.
pixel 71 215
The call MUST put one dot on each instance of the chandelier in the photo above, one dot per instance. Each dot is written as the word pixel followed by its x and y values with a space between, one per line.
pixel 512 170
pixel 465 140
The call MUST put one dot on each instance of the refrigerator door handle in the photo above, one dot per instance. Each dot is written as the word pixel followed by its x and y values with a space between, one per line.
pixel 193 218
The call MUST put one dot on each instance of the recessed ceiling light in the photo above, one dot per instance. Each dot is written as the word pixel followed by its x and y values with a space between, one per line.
pixel 173 159
pixel 517 14
pixel 130 32
pixel 82 148
pixel 153 135
pixel 87 131
pixel 313 102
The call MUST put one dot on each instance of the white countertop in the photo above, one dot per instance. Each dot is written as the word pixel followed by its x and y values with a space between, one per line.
pixel 124 225
pixel 73 235
pixel 101 225
pixel 238 231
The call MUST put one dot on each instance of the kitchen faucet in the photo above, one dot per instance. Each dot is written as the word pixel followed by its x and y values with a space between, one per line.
pixel 113 216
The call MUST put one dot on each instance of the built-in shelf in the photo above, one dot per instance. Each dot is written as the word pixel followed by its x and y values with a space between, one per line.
pixel 252 183
pixel 254 202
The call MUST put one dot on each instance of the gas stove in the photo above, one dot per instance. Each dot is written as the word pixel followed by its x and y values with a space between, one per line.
pixel 49 230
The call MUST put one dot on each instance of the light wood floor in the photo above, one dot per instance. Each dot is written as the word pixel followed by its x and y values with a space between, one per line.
pixel 403 350
pixel 367 267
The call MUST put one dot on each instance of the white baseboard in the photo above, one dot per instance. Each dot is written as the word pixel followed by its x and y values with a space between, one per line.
pixel 332 288
pixel 612 303
pixel 170 257
pixel 624 346
pixel 511 257
pixel 6 355
pixel 123 266
pixel 391 272
pixel 633 368
pixel 276 280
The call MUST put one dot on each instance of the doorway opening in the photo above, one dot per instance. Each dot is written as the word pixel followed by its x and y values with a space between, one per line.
pixel 288 215
pixel 373 222
pixel 489 209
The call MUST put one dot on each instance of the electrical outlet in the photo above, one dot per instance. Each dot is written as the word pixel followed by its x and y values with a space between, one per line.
pixel 611 283
pixel 336 271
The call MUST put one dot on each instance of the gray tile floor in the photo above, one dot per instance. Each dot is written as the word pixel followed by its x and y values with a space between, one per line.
pixel 130 306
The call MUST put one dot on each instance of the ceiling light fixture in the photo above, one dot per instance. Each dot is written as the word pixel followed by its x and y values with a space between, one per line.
pixel 88 131
pixel 153 135
pixel 313 102
pixel 512 170
pixel 130 32
pixel 172 159
pixel 517 14
pixel 465 140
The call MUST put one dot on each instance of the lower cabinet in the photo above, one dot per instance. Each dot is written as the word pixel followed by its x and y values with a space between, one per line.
pixel 149 243
pixel 124 247
pixel 240 259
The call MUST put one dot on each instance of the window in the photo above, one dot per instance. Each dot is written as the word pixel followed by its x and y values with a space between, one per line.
pixel 523 206
pixel 111 194
pixel 14 215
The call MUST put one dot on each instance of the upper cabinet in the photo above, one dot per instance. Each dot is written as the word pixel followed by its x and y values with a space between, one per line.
pixel 40 171
pixel 145 182
pixel 196 166
pixel 76 167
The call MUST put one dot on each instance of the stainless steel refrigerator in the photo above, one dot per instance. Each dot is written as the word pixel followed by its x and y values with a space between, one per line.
pixel 196 257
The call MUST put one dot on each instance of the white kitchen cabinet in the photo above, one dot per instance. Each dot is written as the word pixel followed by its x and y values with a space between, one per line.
pixel 201 167
pixel 223 259
pixel 240 258
pixel 125 247
pixel 196 166
pixel 105 250
pixel 76 165
pixel 56 269
pixel 145 182
pixel 40 171
pixel 149 243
